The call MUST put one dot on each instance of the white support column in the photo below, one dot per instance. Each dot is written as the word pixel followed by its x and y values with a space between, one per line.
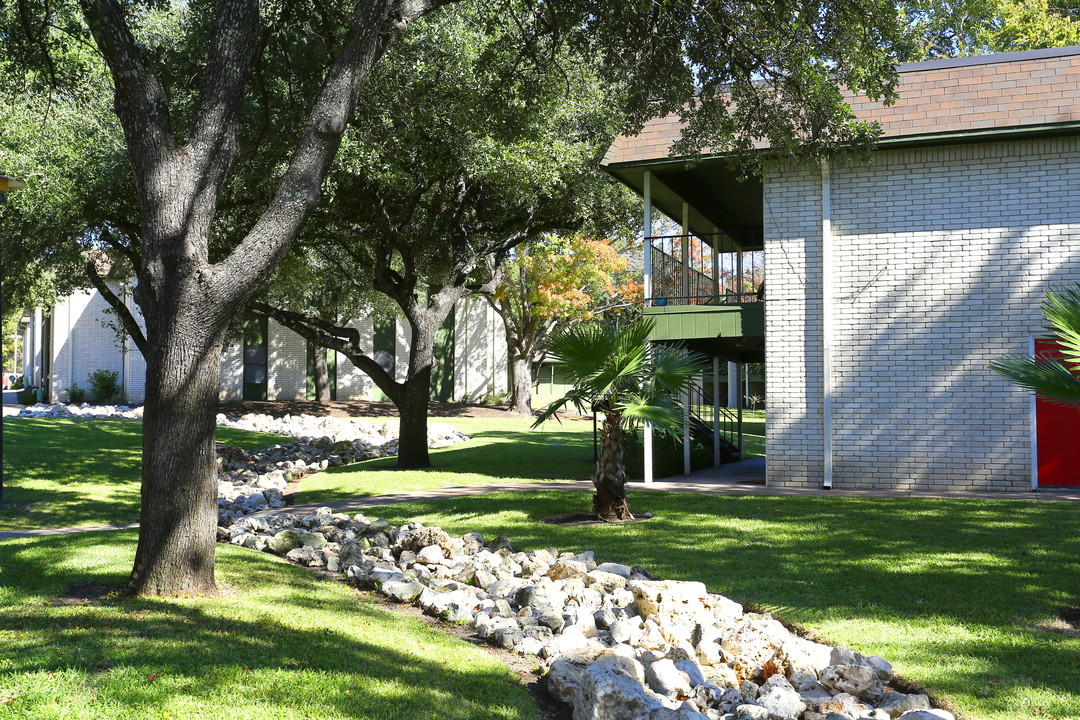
pixel 716 410
pixel 738 273
pixel 732 384
pixel 37 358
pixel 686 432
pixel 1034 427
pixel 716 265
pixel 741 371
pixel 648 243
pixel 647 441
pixel 686 251
pixel 826 319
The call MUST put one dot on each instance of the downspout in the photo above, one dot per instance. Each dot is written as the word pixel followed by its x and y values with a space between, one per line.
pixel 826 320
pixel 647 441
pixel 71 352
pixel 686 294
pixel 124 346
pixel 686 252
pixel 1034 431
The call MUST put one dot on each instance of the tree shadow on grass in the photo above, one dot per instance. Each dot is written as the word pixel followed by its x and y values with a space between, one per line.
pixel 283 638
pixel 72 471
pixel 492 456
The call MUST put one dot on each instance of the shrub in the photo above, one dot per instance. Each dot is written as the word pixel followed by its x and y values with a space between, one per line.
pixel 20 383
pixel 76 394
pixel 106 385
pixel 27 398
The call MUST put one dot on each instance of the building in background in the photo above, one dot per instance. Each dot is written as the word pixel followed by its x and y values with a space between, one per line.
pixel 65 343
pixel 891 285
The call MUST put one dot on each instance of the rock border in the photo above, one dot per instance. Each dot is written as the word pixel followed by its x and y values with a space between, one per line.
pixel 615 643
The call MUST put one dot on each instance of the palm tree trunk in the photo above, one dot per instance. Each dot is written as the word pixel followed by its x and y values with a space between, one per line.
pixel 609 502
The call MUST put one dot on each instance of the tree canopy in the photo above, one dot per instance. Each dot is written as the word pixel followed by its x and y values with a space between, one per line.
pixel 199 86
pixel 956 28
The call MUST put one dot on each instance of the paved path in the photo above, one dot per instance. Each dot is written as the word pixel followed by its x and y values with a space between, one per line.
pixel 745 478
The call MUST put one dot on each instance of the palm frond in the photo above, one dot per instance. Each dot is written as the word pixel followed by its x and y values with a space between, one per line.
pixel 579 348
pixel 674 367
pixel 1062 310
pixel 1048 378
pixel 660 413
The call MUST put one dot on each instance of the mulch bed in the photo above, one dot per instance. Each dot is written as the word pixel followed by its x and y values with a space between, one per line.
pixel 88 593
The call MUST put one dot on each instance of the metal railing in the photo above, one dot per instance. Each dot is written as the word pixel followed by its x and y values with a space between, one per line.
pixel 703 270
pixel 702 406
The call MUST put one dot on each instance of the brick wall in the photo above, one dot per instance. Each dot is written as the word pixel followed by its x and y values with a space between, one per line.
pixel 82 344
pixel 479 351
pixel 941 260
pixel 352 383
pixel 232 371
pixel 792 320
pixel 286 372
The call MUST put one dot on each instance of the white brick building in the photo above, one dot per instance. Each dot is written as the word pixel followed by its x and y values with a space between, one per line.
pixel 66 343
pixel 892 285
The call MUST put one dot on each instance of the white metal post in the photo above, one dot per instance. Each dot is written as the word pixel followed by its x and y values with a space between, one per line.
pixel 732 384
pixel 826 319
pixel 686 252
pixel 738 274
pixel 686 432
pixel 1034 427
pixel 648 241
pixel 716 410
pixel 716 264
pixel 647 441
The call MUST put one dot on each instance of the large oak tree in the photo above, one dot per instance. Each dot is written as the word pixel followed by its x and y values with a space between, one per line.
pixel 738 70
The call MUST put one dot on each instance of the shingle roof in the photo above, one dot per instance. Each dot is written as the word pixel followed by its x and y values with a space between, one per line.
pixel 989 92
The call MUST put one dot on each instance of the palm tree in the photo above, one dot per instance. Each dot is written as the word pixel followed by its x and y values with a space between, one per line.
pixel 1056 380
pixel 615 373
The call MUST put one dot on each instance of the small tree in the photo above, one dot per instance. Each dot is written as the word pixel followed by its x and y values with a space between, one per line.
pixel 1056 380
pixel 614 372
pixel 551 285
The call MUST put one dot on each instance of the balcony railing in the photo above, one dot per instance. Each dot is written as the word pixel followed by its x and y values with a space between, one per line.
pixel 703 270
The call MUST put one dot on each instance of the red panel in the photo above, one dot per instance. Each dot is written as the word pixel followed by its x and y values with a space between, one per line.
pixel 1058 430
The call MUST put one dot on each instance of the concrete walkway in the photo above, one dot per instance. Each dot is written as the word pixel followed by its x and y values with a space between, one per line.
pixel 745 478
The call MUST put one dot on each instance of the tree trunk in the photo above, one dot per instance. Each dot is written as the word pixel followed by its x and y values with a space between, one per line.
pixel 609 502
pixel 321 376
pixel 413 410
pixel 178 516
pixel 521 382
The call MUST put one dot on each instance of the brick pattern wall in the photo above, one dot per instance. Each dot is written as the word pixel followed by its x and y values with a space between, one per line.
pixel 354 384
pixel 942 257
pixel 94 347
pixel 479 351
pixel 793 372
pixel 91 346
pixel 232 371
pixel 286 364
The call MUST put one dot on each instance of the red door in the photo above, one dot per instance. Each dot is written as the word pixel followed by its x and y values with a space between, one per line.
pixel 1058 433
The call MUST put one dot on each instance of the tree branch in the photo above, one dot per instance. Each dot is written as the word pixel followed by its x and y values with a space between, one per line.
pixel 373 26
pixel 141 102
pixel 344 340
pixel 127 320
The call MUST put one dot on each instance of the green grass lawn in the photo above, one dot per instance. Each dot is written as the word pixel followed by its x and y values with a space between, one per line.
pixel 953 592
pixel 282 644
pixel 950 591
pixel 65 472
pixel 501 450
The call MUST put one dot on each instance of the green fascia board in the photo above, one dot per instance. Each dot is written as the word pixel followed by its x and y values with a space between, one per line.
pixel 692 322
